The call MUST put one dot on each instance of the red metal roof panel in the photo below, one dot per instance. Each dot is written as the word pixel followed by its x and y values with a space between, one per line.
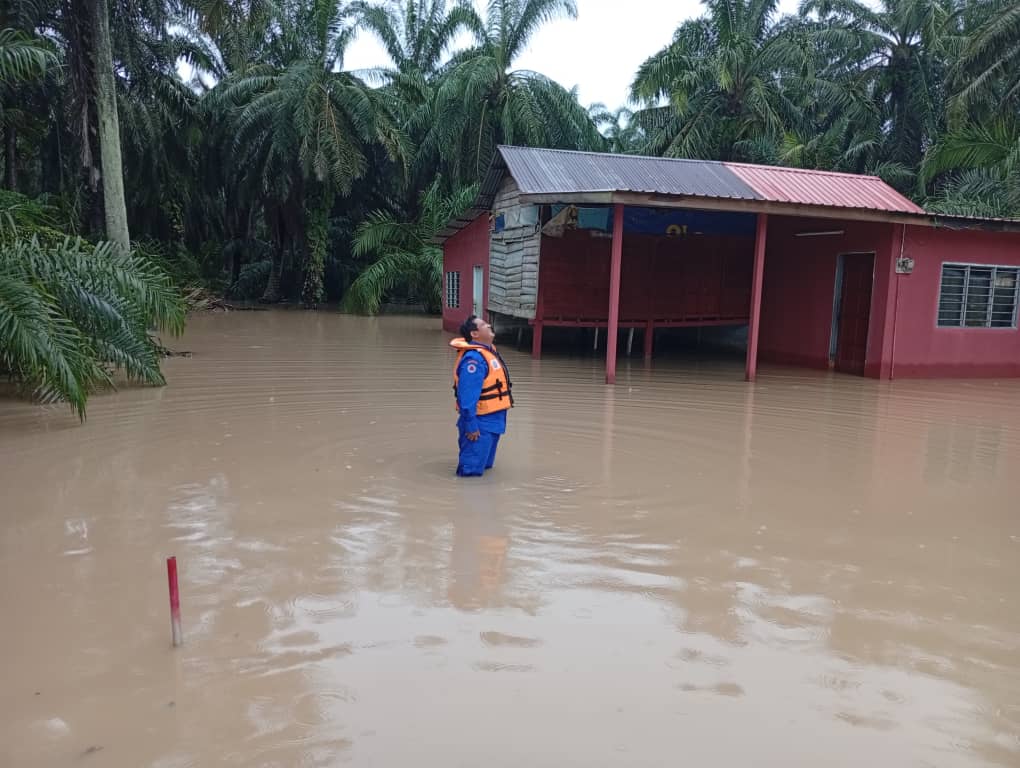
pixel 823 188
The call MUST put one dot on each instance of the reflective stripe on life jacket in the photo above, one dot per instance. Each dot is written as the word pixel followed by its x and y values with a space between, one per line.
pixel 497 388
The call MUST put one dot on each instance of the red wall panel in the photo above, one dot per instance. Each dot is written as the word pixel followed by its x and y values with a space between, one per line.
pixel 704 278
pixel 800 280
pixel 919 347
pixel 467 248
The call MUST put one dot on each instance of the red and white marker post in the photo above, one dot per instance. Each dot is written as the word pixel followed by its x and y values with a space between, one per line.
pixel 175 601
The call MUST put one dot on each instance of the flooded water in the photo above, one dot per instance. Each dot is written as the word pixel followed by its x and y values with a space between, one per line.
pixel 683 569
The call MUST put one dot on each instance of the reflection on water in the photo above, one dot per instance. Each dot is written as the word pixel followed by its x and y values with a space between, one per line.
pixel 816 570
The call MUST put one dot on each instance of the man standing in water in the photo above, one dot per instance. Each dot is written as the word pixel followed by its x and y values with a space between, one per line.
pixel 481 387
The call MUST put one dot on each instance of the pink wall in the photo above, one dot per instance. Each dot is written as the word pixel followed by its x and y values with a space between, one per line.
pixel 917 346
pixel 461 253
pixel 800 280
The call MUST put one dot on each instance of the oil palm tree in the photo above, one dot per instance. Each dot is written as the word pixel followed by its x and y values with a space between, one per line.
pixel 417 35
pixel 975 169
pixel 621 131
pixel 896 54
pixel 836 126
pixel 483 101
pixel 405 255
pixel 95 41
pixel 71 315
pixel 719 82
pixel 988 67
pixel 25 58
pixel 304 130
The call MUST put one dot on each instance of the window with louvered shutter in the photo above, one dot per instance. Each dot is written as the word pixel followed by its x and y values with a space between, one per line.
pixel 978 296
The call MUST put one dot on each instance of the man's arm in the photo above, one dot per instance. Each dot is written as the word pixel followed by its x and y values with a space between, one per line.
pixel 470 376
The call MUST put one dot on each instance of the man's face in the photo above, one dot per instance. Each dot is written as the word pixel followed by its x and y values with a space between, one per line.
pixel 483 332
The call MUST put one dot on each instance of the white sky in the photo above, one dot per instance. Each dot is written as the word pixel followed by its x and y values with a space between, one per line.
pixel 599 51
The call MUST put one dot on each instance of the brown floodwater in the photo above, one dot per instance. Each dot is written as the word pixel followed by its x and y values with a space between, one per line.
pixel 681 570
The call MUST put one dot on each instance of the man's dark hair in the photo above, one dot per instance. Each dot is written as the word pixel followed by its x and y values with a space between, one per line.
pixel 468 326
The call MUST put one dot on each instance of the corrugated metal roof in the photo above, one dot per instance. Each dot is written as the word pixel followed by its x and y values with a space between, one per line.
pixel 563 172
pixel 556 171
pixel 824 188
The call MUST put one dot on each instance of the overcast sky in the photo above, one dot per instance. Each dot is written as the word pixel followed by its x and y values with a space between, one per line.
pixel 599 51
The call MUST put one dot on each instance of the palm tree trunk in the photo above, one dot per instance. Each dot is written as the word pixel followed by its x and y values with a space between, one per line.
pixel 109 127
pixel 278 229
pixel 313 291
pixel 11 158
pixel 272 293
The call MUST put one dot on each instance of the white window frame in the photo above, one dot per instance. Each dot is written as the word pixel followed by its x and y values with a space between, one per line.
pixel 453 289
pixel 991 297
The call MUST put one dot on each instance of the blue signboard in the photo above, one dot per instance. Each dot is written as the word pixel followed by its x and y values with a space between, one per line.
pixel 672 222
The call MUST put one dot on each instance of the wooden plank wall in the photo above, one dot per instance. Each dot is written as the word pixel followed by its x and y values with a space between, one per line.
pixel 514 255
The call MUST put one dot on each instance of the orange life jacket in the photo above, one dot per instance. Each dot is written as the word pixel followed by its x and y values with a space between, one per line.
pixel 496 388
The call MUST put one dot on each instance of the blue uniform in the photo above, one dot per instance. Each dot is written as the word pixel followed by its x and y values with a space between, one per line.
pixel 476 456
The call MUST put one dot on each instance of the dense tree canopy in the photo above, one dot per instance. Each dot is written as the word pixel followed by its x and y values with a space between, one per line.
pixel 269 173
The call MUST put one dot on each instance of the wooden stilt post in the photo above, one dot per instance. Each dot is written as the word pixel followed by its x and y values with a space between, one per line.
pixel 754 324
pixel 614 294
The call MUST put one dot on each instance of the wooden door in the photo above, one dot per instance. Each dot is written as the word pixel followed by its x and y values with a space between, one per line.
pixel 854 312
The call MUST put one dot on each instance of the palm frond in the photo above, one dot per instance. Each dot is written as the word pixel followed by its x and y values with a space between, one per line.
pixel 421 270
pixel 406 257
pixel 69 311
pixel 23 57
pixel 991 147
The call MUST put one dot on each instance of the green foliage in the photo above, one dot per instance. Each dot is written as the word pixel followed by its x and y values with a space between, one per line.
pixel 987 72
pixel 23 57
pixel 621 131
pixel 251 281
pixel 182 267
pixel 405 255
pixel 70 316
pixel 25 218
pixel 976 170
pixel 977 192
pixel 275 171
pixel 721 77
pixel 481 102
pixel 21 215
